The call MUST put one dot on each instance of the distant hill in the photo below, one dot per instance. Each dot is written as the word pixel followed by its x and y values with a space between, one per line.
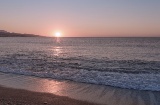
pixel 4 33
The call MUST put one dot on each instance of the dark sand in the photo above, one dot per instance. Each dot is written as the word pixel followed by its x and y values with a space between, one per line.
pixel 10 96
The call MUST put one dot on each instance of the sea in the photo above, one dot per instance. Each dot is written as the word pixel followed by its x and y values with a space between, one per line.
pixel 132 63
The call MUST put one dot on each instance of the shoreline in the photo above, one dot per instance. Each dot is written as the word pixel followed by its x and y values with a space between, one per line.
pixel 10 96
pixel 83 92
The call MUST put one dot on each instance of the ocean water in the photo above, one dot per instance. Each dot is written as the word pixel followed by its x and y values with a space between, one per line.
pixel 132 63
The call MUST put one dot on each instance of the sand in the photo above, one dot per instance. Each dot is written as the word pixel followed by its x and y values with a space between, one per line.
pixel 57 89
pixel 9 96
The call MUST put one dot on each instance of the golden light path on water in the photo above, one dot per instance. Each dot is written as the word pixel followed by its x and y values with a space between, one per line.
pixel 57 50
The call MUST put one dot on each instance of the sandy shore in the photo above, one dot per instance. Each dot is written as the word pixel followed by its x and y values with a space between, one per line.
pixel 59 90
pixel 9 96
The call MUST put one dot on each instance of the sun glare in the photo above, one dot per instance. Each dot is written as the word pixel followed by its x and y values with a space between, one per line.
pixel 58 34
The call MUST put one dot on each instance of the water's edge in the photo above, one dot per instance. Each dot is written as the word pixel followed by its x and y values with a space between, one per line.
pixel 88 92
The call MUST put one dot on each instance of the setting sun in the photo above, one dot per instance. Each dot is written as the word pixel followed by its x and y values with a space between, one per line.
pixel 58 34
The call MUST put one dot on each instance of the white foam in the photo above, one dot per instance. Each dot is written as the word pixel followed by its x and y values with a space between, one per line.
pixel 122 80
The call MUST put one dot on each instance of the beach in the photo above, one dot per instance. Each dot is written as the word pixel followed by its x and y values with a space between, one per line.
pixel 80 52
pixel 107 71
pixel 10 96
pixel 30 90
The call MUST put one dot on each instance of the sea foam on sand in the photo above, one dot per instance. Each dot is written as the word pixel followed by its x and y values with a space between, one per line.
pixel 89 92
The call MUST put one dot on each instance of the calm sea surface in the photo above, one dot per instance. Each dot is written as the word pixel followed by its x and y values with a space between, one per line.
pixel 122 62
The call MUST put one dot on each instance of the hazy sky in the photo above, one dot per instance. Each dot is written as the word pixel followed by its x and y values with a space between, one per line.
pixel 81 17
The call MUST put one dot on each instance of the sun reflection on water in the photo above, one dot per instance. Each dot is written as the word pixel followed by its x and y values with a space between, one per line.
pixel 57 51
pixel 52 86
pixel 57 39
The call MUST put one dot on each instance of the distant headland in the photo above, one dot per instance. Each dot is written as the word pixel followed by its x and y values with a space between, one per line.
pixel 4 33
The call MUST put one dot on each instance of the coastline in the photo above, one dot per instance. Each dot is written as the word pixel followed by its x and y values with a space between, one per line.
pixel 97 94
pixel 10 96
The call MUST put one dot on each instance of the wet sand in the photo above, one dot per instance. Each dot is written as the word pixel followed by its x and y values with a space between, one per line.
pixel 9 96
pixel 99 94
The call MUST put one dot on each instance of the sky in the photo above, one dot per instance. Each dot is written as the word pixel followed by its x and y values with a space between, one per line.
pixel 82 18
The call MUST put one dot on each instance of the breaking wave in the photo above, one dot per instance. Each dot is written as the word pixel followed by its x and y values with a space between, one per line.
pixel 131 74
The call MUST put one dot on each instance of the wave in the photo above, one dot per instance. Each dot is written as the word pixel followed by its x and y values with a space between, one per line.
pixel 131 74
pixel 122 80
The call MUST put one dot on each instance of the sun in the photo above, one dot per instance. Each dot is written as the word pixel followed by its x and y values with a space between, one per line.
pixel 57 34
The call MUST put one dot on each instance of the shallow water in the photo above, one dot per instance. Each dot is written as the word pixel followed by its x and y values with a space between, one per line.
pixel 122 62
pixel 105 95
